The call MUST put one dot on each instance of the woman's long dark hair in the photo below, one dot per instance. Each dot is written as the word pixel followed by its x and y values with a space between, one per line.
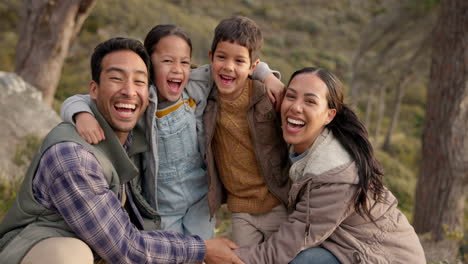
pixel 352 134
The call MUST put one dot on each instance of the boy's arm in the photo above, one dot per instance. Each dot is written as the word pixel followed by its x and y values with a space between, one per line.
pixel 272 81
pixel 201 83
pixel 76 110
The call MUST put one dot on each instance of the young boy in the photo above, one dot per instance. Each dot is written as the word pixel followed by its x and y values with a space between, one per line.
pixel 247 159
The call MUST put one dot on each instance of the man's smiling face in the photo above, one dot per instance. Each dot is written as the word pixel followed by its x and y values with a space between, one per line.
pixel 122 93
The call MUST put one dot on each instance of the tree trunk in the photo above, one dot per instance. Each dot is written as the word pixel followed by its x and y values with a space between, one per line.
pixel 380 114
pixel 405 76
pixel 370 102
pixel 46 31
pixel 396 111
pixel 443 178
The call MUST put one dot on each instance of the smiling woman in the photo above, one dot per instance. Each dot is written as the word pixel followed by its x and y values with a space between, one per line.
pixel 304 111
pixel 342 212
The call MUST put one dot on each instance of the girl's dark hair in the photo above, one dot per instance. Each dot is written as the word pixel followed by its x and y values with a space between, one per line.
pixel 160 31
pixel 352 134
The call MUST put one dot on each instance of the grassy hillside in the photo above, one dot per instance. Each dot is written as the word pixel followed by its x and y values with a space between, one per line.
pixel 325 33
pixel 297 34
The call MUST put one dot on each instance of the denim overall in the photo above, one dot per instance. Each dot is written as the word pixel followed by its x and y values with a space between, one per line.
pixel 182 184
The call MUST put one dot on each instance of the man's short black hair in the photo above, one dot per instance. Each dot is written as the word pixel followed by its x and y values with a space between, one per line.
pixel 116 44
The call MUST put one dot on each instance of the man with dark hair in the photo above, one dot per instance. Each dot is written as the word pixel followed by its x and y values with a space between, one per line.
pixel 78 199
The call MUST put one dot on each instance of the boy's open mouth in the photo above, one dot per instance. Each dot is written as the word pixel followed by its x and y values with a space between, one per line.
pixel 226 80
pixel 174 84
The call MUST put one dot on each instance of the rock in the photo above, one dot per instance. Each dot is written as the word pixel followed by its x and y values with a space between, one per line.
pixel 22 113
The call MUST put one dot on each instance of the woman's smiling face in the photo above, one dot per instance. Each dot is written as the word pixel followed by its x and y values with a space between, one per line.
pixel 304 111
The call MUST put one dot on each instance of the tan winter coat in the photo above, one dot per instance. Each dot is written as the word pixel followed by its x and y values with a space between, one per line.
pixel 324 216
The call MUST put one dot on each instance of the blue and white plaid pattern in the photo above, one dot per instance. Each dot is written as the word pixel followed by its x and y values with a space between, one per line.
pixel 69 180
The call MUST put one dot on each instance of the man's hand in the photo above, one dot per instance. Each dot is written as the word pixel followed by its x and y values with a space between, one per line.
pixel 88 128
pixel 275 90
pixel 219 250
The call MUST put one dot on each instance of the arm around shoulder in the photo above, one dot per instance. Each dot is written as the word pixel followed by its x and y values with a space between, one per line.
pixel 73 105
pixel 76 110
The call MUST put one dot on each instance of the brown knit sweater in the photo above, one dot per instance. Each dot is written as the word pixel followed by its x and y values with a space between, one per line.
pixel 236 160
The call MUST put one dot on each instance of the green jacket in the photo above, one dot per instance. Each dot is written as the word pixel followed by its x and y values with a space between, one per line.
pixel 28 222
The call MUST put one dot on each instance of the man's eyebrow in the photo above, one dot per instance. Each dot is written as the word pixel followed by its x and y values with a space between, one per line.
pixel 141 72
pixel 117 69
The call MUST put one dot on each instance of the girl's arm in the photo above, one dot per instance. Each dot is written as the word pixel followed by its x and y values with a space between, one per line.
pixel 326 205
pixel 76 110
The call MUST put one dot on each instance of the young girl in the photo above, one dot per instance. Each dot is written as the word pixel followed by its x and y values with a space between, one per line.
pixel 181 184
pixel 342 212
pixel 175 182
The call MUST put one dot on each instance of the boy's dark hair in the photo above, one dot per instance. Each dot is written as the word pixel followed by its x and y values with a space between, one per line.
pixel 160 31
pixel 240 30
pixel 116 44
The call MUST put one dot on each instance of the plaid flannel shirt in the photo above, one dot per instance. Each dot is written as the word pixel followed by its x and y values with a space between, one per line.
pixel 70 181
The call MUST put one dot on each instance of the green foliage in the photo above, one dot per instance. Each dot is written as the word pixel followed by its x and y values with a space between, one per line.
pixel 22 157
pixel 8 191
pixel 304 24
pixel 26 150
pixel 24 153
pixel 455 235
pixel 9 15
pixel 422 6
pixel 7 55
pixel 8 38
pixel 416 94
pixel 223 222
pixel 400 180
pixel 407 151
pixel 411 120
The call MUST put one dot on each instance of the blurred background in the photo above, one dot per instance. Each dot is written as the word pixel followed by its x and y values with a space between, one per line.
pixel 381 49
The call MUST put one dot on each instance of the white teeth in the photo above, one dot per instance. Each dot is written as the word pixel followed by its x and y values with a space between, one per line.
pixel 128 106
pixel 177 81
pixel 227 77
pixel 295 122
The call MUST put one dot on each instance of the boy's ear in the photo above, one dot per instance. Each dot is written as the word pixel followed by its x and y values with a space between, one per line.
pixel 210 55
pixel 93 87
pixel 254 64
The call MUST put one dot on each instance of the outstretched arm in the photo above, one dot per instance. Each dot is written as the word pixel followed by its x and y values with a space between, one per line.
pixel 76 110
pixel 70 181
pixel 273 84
